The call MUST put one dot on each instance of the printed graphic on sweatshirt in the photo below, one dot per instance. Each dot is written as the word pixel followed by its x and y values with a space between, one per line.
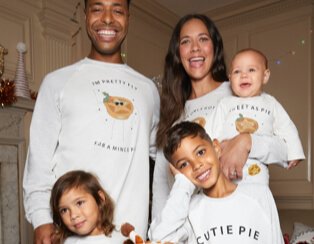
pixel 246 125
pixel 200 120
pixel 254 169
pixel 202 111
pixel 236 232
pixel 118 107
pixel 118 113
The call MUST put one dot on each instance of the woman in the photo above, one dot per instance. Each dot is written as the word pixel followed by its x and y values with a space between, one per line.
pixel 194 81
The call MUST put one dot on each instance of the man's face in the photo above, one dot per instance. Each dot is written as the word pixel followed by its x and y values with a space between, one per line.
pixel 197 159
pixel 107 25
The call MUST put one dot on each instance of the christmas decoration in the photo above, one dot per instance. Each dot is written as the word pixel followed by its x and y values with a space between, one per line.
pixel 3 51
pixel 7 93
pixel 21 84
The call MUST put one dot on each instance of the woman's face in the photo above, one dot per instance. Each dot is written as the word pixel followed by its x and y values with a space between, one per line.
pixel 196 49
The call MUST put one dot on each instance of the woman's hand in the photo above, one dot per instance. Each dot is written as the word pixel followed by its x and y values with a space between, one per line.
pixel 234 153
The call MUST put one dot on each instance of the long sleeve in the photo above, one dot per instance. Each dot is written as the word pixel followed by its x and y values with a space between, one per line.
pixel 161 184
pixel 269 149
pixel 38 176
pixel 286 129
pixel 154 126
pixel 172 224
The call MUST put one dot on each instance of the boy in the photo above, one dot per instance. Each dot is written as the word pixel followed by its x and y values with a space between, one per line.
pixel 221 212
pixel 252 111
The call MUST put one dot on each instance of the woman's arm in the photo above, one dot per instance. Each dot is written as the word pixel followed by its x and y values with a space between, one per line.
pixel 266 149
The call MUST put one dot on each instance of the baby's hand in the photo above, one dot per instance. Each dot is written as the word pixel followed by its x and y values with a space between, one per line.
pixel 173 170
pixel 293 163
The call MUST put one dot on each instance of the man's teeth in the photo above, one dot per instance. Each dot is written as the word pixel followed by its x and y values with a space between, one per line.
pixel 107 32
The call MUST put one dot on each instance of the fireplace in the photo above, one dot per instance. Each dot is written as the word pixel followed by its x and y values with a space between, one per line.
pixel 13 226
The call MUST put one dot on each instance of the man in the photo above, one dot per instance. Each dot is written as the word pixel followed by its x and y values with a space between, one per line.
pixel 97 115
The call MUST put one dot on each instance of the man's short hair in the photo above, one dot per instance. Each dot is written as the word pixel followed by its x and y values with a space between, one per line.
pixel 129 1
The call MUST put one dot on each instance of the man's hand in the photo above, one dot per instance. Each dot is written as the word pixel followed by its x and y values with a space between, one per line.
pixel 234 153
pixel 43 234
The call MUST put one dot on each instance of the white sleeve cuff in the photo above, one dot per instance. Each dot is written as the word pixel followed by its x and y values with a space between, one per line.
pixel 41 217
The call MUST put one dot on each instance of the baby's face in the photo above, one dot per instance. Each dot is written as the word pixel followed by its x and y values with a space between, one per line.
pixel 248 74
pixel 197 159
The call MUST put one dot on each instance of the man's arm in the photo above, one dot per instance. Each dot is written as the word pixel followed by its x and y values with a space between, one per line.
pixel 154 126
pixel 38 175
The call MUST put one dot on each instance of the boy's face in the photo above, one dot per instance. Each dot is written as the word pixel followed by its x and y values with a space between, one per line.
pixel 197 159
pixel 248 74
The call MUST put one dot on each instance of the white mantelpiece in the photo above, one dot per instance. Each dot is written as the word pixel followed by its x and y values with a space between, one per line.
pixel 13 227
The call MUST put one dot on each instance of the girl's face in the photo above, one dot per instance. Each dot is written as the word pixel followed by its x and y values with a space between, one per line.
pixel 196 49
pixel 79 212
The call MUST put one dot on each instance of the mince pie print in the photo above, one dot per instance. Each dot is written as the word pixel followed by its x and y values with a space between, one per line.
pixel 118 107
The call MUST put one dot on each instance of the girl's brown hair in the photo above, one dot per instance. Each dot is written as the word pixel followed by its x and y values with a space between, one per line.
pixel 89 183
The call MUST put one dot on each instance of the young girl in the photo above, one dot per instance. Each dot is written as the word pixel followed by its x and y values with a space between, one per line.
pixel 82 210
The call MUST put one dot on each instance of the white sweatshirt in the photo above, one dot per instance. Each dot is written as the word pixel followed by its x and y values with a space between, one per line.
pixel 274 149
pixel 269 117
pixel 246 216
pixel 99 117
pixel 258 115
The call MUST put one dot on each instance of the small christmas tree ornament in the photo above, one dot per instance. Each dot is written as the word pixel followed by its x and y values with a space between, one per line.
pixel 21 84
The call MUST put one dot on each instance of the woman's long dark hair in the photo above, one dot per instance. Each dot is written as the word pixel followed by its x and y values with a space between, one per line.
pixel 176 84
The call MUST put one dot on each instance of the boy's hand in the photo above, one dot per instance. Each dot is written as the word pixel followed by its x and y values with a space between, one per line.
pixel 293 163
pixel 173 170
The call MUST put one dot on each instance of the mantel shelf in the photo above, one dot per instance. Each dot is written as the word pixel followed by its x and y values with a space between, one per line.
pixel 23 104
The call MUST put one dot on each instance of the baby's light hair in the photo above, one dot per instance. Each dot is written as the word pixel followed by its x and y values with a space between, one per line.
pixel 258 52
pixel 79 179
